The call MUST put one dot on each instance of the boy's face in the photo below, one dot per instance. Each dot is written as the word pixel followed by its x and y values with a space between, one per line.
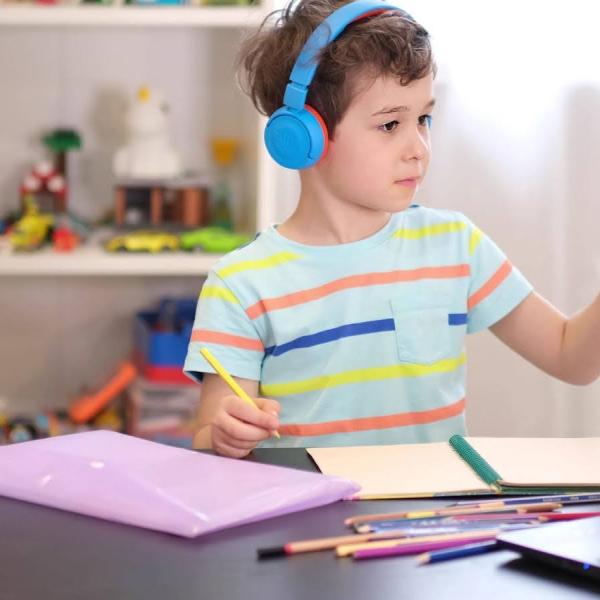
pixel 381 148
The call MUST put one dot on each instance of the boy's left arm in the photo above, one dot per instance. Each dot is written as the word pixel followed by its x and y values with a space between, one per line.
pixel 567 348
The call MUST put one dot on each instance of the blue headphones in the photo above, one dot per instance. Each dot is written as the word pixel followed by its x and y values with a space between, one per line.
pixel 296 135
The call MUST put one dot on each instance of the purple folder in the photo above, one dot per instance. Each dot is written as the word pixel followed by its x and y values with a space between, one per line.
pixel 134 481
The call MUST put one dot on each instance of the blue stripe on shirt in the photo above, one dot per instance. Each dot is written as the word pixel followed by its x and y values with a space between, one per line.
pixel 329 335
pixel 457 319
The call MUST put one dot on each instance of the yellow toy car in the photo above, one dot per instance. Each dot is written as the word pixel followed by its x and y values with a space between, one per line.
pixel 32 230
pixel 143 241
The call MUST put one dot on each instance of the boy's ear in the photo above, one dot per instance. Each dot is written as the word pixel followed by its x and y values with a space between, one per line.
pixel 296 138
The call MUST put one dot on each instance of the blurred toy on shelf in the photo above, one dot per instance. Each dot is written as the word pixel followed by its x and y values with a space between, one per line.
pixel 150 397
pixel 47 182
pixel 179 201
pixel 7 221
pixel 33 229
pixel 46 423
pixel 47 186
pixel 212 239
pixel 148 153
pixel 223 152
pixel 88 407
pixel 161 338
pixel 164 413
pixel 60 142
pixel 143 241
pixel 43 195
pixel 158 2
pixel 64 236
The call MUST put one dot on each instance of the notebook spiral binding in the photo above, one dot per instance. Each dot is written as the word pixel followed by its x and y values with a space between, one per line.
pixel 485 471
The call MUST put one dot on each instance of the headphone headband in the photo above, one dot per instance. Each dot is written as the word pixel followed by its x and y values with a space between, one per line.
pixel 330 29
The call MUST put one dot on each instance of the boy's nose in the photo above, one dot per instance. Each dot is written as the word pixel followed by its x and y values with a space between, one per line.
pixel 417 146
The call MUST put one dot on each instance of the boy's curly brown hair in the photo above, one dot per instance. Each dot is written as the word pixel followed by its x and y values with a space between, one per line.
pixel 388 44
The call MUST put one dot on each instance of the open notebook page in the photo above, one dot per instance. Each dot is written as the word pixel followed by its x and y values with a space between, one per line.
pixel 404 470
pixel 553 462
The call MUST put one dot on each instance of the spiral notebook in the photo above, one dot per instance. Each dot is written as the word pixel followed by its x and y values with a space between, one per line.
pixel 467 466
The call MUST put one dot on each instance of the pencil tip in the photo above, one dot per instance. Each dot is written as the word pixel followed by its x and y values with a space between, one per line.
pixel 272 552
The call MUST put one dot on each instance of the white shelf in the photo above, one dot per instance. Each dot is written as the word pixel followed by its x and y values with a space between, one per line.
pixel 132 16
pixel 93 260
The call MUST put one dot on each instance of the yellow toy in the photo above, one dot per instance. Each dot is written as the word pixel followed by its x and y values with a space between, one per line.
pixel 143 241
pixel 32 229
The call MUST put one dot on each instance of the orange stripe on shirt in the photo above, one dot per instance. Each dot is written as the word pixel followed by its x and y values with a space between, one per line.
pixel 227 339
pixel 490 285
pixel 355 281
pixel 366 423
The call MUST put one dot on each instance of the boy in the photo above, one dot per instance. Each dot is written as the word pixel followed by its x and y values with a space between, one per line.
pixel 349 319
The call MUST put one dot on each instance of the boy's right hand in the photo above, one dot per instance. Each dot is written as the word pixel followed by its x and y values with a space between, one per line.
pixel 237 427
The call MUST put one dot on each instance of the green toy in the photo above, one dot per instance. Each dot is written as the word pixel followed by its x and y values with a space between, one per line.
pixel 212 239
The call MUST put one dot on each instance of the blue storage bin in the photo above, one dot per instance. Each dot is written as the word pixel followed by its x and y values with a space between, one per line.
pixel 162 337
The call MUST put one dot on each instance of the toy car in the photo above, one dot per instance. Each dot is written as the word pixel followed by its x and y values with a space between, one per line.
pixel 32 230
pixel 143 241
pixel 212 239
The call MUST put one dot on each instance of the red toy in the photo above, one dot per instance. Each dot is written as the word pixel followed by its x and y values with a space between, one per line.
pixel 45 182
pixel 64 240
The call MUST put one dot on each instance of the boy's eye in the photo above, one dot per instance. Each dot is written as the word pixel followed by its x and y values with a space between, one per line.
pixel 425 120
pixel 388 127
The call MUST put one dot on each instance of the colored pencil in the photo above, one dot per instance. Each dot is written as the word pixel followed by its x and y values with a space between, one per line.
pixel 365 528
pixel 458 526
pixel 518 508
pixel 229 380
pixel 562 498
pixel 470 536
pixel 569 516
pixel 457 552
pixel 318 544
pixel 541 516
pixel 417 547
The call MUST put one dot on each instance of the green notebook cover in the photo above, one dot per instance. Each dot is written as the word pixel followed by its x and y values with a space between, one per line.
pixel 491 477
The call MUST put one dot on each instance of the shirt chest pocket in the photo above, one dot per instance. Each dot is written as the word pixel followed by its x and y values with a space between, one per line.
pixel 424 335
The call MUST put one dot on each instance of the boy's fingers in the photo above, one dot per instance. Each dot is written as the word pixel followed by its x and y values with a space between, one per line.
pixel 225 449
pixel 238 429
pixel 251 414
pixel 268 405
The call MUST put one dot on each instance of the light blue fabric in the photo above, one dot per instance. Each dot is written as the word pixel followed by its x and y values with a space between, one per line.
pixel 378 330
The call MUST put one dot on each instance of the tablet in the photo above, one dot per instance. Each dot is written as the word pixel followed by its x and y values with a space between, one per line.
pixel 572 545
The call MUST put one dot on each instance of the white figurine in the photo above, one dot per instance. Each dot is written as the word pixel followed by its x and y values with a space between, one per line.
pixel 148 152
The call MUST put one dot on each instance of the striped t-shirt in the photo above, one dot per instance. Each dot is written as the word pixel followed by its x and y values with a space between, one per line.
pixel 361 343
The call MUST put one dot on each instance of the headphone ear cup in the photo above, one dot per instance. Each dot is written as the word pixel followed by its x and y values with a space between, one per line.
pixel 296 139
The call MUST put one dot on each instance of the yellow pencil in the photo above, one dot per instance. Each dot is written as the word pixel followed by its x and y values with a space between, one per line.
pixel 229 380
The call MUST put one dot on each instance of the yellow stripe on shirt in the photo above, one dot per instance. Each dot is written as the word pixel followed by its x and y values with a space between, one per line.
pixel 437 229
pixel 474 240
pixel 261 263
pixel 360 376
pixel 214 291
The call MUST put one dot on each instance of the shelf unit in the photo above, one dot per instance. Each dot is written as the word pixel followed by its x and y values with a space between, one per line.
pixel 66 319
pixel 131 16
pixel 92 261
pixel 221 23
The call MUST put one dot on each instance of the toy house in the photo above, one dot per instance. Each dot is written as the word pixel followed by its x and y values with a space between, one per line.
pixel 181 201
